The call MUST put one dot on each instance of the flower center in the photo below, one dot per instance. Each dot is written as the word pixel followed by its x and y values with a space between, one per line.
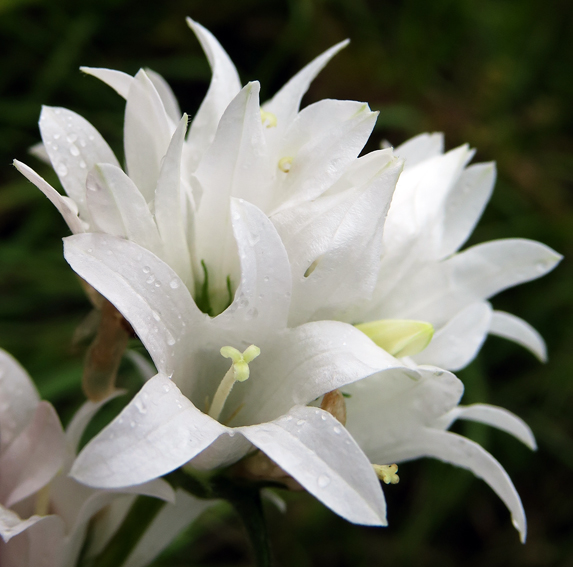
pixel 399 337
pixel 239 372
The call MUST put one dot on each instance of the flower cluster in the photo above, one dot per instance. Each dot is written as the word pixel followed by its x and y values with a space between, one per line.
pixel 304 308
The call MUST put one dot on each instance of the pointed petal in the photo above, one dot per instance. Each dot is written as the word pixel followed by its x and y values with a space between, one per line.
pixel 19 399
pixel 465 204
pixel 263 296
pixel 285 104
pixel 117 207
pixel 316 450
pixel 519 331
pixel 11 524
pixel 74 147
pixel 169 204
pixel 166 94
pixel 33 458
pixel 120 82
pixel 457 343
pixel 169 522
pixel 306 362
pixel 63 204
pixel 457 450
pixel 238 148
pixel 167 431
pixel 225 84
pixel 131 278
pixel 421 148
pixel 496 417
pixel 147 134
pixel 346 273
pixel 323 140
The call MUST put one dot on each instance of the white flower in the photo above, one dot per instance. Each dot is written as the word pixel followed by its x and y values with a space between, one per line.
pixel 188 417
pixel 44 514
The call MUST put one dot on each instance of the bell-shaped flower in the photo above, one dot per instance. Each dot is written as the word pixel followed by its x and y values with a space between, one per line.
pixel 394 419
pixel 193 411
pixel 44 514
pixel 402 253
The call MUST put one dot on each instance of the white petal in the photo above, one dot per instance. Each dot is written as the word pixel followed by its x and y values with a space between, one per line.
pixel 316 450
pixel 74 147
pixel 519 331
pixel 285 104
pixel 225 85
pixel 457 343
pixel 324 139
pixel 33 458
pixel 157 432
pixel 61 203
pixel 420 148
pixel 304 363
pixel 120 82
pixel 388 407
pixel 347 271
pixel 39 543
pixel 147 134
pixel 164 90
pixel 169 522
pixel 459 451
pixel 169 204
pixel 132 278
pixel 11 524
pixel 465 204
pixel 263 297
pixel 117 207
pixel 496 417
pixel 19 399
pixel 234 165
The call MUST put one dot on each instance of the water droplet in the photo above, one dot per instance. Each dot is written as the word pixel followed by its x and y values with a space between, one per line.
pixel 120 420
pixel 166 388
pixel 140 405
pixel 62 170
pixel 156 315
pixel 58 111
pixel 289 418
pixel 170 340
pixel 82 143
pixel 336 430
pixel 266 278
pixel 323 417
pixel 71 138
pixel 91 138
pixel 323 480
pixel 132 424
pixel 174 284
pixel 150 279
pixel 231 433
pixel 55 147
pixel 146 269
pixel 56 136
pixel 74 150
pixel 157 284
pixel 300 422
pixel 83 164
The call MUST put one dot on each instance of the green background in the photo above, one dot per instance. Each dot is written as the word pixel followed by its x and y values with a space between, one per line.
pixel 494 73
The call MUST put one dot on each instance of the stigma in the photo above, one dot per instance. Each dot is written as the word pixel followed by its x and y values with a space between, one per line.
pixel 268 119
pixel 239 372
pixel 387 473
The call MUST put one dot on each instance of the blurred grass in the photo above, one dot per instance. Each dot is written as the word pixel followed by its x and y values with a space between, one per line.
pixel 494 73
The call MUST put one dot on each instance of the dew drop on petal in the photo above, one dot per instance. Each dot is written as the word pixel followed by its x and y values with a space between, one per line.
pixel 174 284
pixel 62 170
pixel 146 269
pixel 323 480
pixel 300 422
pixel 72 137
pixel 56 136
pixel 336 430
pixel 170 340
pixel 150 279
pixel 166 388
pixel 74 150
pixel 140 406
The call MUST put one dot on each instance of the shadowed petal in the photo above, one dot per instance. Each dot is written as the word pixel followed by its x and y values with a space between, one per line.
pixel 421 148
pixel 316 450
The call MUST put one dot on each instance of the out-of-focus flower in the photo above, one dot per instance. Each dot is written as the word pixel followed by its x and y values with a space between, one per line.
pixel 44 514
pixel 194 416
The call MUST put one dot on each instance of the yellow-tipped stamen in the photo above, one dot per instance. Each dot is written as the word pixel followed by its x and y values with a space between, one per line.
pixel 268 119
pixel 43 501
pixel 285 163
pixel 239 372
pixel 399 337
pixel 387 473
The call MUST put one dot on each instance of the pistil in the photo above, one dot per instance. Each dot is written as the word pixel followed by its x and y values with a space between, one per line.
pixel 239 372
